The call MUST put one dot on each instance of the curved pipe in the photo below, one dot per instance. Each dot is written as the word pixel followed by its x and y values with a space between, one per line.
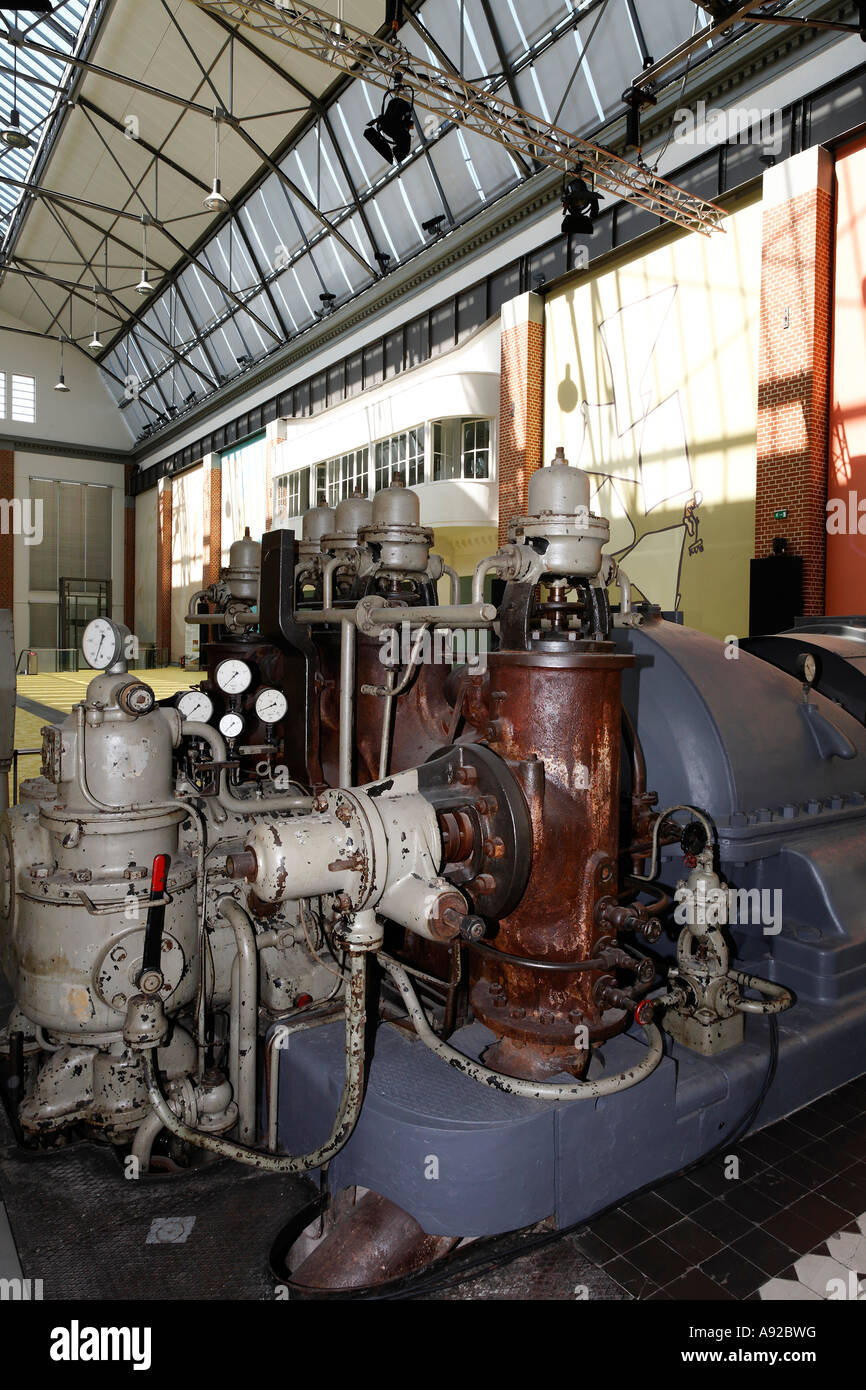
pixel 454 577
pixel 347 1114
pixel 482 569
pixel 142 1144
pixel 290 801
pixel 243 1015
pixel 661 817
pixel 777 998
pixel 532 1090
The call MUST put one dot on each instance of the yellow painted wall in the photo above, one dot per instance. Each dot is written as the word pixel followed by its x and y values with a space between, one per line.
pixel 145 565
pixel 651 386
pixel 187 557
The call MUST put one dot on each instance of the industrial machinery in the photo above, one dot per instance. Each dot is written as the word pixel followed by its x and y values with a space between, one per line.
pixel 482 911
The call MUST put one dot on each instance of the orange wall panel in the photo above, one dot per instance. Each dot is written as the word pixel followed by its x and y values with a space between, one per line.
pixel 846 542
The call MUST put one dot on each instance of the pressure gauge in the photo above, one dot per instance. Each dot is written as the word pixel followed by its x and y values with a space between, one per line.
pixel 195 707
pixel 271 706
pixel 807 667
pixel 233 677
pixel 102 643
pixel 231 726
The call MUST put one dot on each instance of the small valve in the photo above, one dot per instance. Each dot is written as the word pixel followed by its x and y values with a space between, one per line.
pixel 693 839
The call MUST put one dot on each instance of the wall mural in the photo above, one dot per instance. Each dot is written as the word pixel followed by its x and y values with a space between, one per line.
pixel 636 449
pixel 650 385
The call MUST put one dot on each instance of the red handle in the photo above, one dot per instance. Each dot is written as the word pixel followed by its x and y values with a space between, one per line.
pixel 158 874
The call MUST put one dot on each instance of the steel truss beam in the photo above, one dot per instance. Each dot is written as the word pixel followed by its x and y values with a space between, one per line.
pixel 447 95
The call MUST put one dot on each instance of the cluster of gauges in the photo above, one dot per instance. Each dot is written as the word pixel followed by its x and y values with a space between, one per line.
pixel 232 677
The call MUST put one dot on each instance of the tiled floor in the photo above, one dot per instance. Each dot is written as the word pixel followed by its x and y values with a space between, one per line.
pixel 801 1184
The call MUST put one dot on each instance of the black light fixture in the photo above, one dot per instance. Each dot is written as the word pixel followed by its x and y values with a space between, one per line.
pixel 390 133
pixel 328 300
pixel 580 205
pixel 215 202
pixel 384 259
pixel 188 400
pixel 13 135
pixel 61 380
pixel 433 225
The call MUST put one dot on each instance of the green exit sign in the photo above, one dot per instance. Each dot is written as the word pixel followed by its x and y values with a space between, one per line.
pixel 780 514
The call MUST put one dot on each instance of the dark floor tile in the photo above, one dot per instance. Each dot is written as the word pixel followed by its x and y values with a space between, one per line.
pixel 826 1217
pixel 792 1231
pixel 711 1178
pixel 657 1260
pixel 618 1231
pixel 659 1296
pixel 837 1107
pixel 827 1154
pixel 595 1249
pixel 803 1170
pixel 776 1185
pixel 814 1123
pixel 849 1145
pixel 651 1211
pixel 633 1280
pixel 692 1241
pixel 847 1192
pixel 734 1273
pixel 764 1250
pixel 787 1133
pixel 755 1206
pixel 695 1285
pixel 683 1194
pixel 765 1146
pixel 722 1221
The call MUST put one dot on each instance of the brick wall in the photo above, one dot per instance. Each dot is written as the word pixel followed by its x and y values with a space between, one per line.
pixel 7 542
pixel 521 404
pixel 793 364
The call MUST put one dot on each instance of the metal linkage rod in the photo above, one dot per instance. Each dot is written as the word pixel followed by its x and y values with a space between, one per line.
pixel 387 64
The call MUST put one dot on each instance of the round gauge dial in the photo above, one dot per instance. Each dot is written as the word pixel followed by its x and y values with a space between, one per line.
pixel 808 667
pixel 195 707
pixel 102 643
pixel 271 706
pixel 233 677
pixel 231 726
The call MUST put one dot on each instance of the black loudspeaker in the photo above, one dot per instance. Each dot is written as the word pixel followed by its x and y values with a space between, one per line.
pixel 775 593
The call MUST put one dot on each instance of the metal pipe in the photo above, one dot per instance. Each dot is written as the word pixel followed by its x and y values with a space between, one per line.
pixel 347 701
pixel 660 818
pixel 328 580
pixel 290 801
pixel 778 999
pixel 145 1135
pixel 243 1015
pixel 533 1090
pixel 454 577
pixel 445 615
pixel 347 1114
pixel 490 562
pixel 278 1039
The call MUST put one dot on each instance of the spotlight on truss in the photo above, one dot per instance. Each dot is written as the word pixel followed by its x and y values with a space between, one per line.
pixel 580 205
pixel 390 133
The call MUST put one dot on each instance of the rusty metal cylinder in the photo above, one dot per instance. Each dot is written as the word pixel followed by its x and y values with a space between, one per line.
pixel 559 716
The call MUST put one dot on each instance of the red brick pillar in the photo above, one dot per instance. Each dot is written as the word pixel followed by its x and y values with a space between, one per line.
pixel 163 566
pixel 521 397
pixel 794 363
pixel 128 552
pixel 7 537
pixel 212 510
